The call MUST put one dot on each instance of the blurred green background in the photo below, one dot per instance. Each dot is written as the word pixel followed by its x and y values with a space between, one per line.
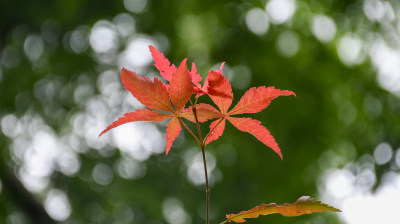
pixel 60 87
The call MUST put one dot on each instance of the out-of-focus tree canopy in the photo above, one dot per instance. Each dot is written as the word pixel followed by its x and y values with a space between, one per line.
pixel 60 87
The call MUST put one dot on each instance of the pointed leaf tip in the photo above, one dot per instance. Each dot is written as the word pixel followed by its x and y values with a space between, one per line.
pixel 221 67
pixel 196 78
pixel 162 63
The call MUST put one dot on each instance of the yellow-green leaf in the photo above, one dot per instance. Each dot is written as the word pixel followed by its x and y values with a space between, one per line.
pixel 303 205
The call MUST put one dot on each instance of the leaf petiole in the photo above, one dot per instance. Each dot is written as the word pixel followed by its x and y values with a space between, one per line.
pixel 190 131
pixel 197 120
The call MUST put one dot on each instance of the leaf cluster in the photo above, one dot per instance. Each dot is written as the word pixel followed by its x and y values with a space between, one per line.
pixel 169 101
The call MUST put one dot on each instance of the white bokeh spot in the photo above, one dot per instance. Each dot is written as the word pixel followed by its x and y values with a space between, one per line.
pixel 323 28
pixel 257 21
pixel 280 11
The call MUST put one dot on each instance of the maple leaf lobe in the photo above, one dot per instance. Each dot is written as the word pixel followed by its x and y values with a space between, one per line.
pixel 139 115
pixel 217 128
pixel 257 99
pixel 152 94
pixel 220 90
pixel 173 130
pixel 255 128
pixel 162 64
pixel 181 87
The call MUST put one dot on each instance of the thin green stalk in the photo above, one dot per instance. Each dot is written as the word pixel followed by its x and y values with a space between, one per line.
pixel 202 147
pixel 203 151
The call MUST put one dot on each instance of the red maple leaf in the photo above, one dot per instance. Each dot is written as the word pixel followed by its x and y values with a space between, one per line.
pixel 163 101
pixel 170 98
pixel 154 95
pixel 254 100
